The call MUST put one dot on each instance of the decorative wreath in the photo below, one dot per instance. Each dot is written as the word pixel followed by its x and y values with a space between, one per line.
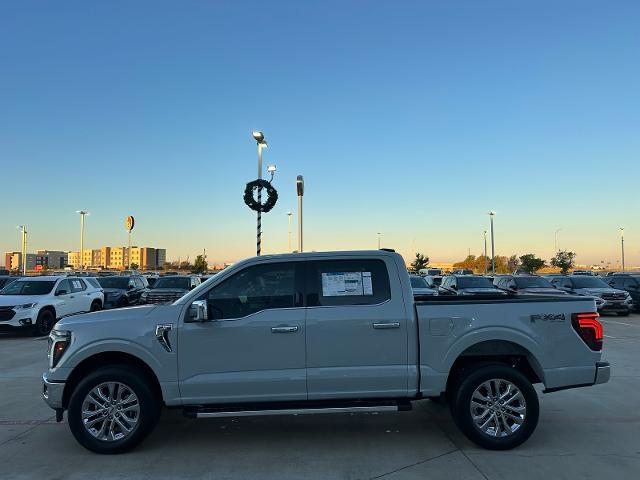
pixel 252 203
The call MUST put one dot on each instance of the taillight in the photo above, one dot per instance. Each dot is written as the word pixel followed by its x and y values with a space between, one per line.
pixel 589 329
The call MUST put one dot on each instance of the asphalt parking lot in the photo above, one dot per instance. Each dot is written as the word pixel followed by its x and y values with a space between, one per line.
pixel 584 433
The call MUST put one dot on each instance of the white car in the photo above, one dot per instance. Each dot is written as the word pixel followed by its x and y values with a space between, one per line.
pixel 39 302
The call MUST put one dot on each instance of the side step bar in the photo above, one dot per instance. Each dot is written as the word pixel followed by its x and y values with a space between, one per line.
pixel 283 409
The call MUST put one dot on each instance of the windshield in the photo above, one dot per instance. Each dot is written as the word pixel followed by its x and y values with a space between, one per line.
pixel 474 282
pixel 28 287
pixel 173 282
pixel 419 282
pixel 532 282
pixel 588 282
pixel 114 282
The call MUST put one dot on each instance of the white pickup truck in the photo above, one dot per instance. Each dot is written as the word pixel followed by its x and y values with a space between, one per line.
pixel 319 333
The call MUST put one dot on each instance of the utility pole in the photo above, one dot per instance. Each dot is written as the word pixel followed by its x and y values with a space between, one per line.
pixel 555 238
pixel 259 138
pixel 23 248
pixel 379 240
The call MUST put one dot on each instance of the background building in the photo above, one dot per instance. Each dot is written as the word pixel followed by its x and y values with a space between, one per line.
pixel 117 258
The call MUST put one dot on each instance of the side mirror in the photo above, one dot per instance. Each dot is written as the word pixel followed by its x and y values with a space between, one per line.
pixel 130 287
pixel 453 287
pixel 198 311
pixel 61 292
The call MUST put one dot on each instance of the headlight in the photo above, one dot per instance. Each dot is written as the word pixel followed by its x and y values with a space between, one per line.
pixel 59 341
pixel 25 306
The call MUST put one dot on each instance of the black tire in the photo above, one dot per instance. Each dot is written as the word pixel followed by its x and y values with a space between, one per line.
pixel 123 303
pixel 44 323
pixel 461 406
pixel 95 306
pixel 149 413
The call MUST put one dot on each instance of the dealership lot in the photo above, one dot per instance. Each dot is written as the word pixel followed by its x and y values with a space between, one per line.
pixel 583 433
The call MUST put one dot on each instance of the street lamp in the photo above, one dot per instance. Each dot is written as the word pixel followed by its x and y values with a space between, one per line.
pixel 82 214
pixel 261 142
pixel 289 215
pixel 379 234
pixel 622 245
pixel 493 258
pixel 555 239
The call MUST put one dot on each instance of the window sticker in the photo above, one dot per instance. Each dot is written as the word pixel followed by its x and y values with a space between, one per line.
pixel 76 284
pixel 340 284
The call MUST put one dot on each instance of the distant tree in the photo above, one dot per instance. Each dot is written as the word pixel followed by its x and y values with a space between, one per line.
pixel 531 263
pixel 467 263
pixel 199 265
pixel 134 266
pixel 564 260
pixel 185 266
pixel 512 263
pixel 421 261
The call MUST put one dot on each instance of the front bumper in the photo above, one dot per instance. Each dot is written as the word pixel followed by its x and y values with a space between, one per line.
pixel 611 306
pixel 21 318
pixel 52 392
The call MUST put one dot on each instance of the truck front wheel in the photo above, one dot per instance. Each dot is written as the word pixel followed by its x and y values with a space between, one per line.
pixel 495 406
pixel 112 410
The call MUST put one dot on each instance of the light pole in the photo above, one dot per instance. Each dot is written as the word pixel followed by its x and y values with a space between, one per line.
pixel 379 234
pixel 82 214
pixel 622 245
pixel 259 138
pixel 23 248
pixel 289 218
pixel 493 258
pixel 486 266
pixel 300 191
pixel 555 239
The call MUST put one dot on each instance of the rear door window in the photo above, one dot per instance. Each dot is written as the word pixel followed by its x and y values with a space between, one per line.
pixel 347 282
pixel 77 285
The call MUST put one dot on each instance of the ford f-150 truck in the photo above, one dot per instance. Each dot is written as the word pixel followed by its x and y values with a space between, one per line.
pixel 319 333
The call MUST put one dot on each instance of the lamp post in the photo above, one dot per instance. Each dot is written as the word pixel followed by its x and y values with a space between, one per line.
pixel 493 258
pixel 23 248
pixel 555 239
pixel 289 218
pixel 259 138
pixel 622 245
pixel 379 234
pixel 486 266
pixel 82 214
pixel 300 191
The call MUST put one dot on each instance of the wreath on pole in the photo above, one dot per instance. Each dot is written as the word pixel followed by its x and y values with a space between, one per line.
pixel 252 203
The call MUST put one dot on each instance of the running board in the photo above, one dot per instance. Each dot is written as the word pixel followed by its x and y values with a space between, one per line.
pixel 221 412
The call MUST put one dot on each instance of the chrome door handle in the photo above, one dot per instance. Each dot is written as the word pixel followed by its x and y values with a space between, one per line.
pixel 384 326
pixel 283 329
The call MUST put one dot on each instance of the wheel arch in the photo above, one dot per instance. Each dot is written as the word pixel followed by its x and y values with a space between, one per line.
pixel 109 358
pixel 503 351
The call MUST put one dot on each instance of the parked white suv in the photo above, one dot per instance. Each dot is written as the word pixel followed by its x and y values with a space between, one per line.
pixel 39 302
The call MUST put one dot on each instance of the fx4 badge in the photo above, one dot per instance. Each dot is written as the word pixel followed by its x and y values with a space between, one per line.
pixel 548 317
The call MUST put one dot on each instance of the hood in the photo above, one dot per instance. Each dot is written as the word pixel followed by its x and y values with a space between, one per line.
pixel 11 300
pixel 167 290
pixel 473 291
pixel 597 291
pixel 105 316
pixel 542 291
pixel 423 291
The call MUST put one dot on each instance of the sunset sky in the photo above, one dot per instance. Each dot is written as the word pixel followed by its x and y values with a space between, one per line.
pixel 413 119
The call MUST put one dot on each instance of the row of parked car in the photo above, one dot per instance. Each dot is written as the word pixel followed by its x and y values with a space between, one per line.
pixel 618 293
pixel 37 303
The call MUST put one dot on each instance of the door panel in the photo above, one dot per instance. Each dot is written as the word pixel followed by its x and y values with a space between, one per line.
pixel 253 349
pixel 355 349
pixel 242 360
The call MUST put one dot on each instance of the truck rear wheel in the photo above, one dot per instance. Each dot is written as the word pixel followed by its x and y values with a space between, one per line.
pixel 112 410
pixel 495 406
